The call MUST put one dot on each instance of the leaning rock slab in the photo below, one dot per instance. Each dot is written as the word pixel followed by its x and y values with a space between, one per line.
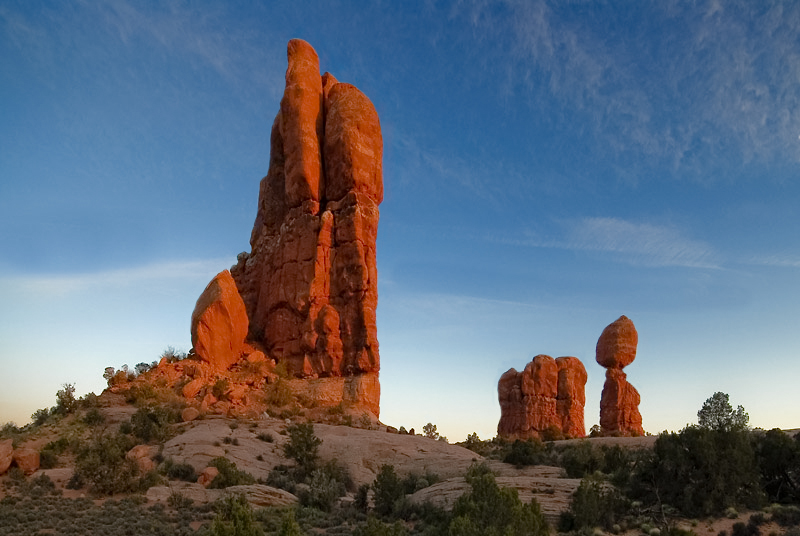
pixel 6 454
pixel 219 323
pixel 27 460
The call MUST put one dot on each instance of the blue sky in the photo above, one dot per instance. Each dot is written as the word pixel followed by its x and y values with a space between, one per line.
pixel 548 166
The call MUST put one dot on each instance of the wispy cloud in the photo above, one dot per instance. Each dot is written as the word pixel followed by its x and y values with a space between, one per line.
pixel 780 261
pixel 60 285
pixel 691 86
pixel 643 244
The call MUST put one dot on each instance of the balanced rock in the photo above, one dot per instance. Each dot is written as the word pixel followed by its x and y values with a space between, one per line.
pixel 219 323
pixel 548 393
pixel 619 403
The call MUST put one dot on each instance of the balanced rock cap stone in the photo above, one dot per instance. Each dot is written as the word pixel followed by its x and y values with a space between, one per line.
pixel 616 347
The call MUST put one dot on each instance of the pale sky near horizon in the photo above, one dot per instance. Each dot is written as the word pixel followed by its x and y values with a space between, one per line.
pixel 548 167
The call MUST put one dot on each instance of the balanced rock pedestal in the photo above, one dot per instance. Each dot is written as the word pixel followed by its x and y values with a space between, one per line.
pixel 619 403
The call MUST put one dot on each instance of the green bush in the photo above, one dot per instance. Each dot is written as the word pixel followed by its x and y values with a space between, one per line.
pixel 152 423
pixel 93 417
pixel 279 393
pixel 322 491
pixel 229 475
pixel 47 459
pixel 235 518
pixel 178 471
pixel 388 491
pixel 302 447
pixel 594 504
pixel 778 458
pixel 102 464
pixel 531 452
pixel 376 527
pixel 488 510
pixel 65 399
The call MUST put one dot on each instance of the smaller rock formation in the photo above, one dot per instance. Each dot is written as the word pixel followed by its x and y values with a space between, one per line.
pixel 619 404
pixel 548 394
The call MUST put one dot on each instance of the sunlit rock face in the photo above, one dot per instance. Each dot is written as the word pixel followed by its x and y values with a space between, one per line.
pixel 309 285
pixel 548 395
pixel 619 403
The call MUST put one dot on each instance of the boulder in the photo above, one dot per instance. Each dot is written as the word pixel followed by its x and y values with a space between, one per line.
pixel 207 476
pixel 141 455
pixel 616 347
pixel 189 414
pixel 27 460
pixel 6 454
pixel 219 323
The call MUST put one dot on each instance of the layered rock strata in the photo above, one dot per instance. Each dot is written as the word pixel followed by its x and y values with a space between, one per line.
pixel 619 403
pixel 548 394
pixel 305 295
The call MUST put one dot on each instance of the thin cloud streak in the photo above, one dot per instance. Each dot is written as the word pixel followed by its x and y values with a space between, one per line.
pixel 63 285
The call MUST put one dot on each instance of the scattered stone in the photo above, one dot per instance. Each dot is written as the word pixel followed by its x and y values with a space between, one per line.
pixel 141 455
pixel 207 476
pixel 189 414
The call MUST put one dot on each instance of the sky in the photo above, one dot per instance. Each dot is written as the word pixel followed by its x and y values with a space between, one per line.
pixel 548 167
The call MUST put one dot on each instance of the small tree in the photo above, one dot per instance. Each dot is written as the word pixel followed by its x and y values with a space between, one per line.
pixel 717 414
pixel 430 431
pixel 388 490
pixel 235 518
pixel 303 448
pixel 65 399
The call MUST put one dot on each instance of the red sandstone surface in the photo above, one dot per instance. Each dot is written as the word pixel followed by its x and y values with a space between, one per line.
pixel 549 393
pixel 619 403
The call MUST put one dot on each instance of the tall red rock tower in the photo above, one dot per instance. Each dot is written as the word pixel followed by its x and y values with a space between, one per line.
pixel 310 284
pixel 619 403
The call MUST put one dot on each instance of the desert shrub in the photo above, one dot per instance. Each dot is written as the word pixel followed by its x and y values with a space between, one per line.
pixel 490 510
pixel 177 471
pixel 220 387
pixel 322 491
pixel 531 452
pixel 700 471
pixel 229 474
pixel 289 525
pixel 179 501
pixel 302 447
pixel 266 437
pixel 235 518
pixel 786 516
pixel 553 433
pixel 594 504
pixel 388 491
pixel 581 459
pixel 89 400
pixel 376 527
pixel 152 423
pixel 279 393
pixel 413 482
pixel 65 399
pixel 778 458
pixel 172 355
pixel 429 431
pixel 476 445
pixel 103 466
pixel 40 416
pixel 148 480
pixel 93 417
pixel 141 394
pixel 283 477
pixel 47 459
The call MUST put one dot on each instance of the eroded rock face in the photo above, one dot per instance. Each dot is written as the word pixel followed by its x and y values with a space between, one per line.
pixel 548 393
pixel 619 403
pixel 6 454
pixel 305 295
pixel 219 323
pixel 27 460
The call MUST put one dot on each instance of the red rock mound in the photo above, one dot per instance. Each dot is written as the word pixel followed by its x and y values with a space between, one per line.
pixel 548 394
